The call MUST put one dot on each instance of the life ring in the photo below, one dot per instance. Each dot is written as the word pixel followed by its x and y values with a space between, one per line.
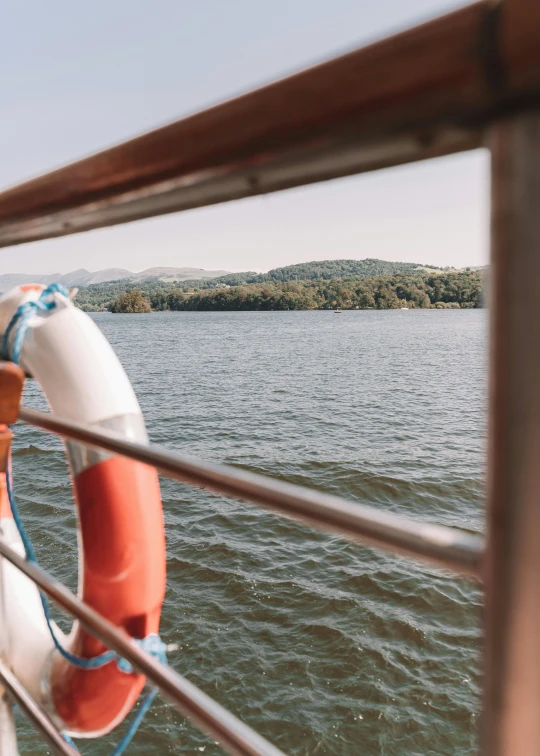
pixel 121 533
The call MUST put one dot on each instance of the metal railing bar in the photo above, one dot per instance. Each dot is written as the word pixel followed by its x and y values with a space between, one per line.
pixel 446 547
pixel 34 712
pixel 209 716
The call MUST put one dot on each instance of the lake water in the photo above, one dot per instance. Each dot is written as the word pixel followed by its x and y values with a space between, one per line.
pixel 323 646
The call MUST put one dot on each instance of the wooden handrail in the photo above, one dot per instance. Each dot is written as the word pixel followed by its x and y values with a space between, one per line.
pixel 424 92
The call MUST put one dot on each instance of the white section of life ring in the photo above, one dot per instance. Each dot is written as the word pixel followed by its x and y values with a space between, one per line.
pixel 25 638
pixel 72 361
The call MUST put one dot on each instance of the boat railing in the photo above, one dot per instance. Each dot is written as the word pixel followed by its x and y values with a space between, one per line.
pixel 465 80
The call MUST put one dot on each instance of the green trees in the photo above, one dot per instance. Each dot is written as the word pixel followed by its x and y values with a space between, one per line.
pixel 328 269
pixel 456 289
pixel 131 301
pixel 421 289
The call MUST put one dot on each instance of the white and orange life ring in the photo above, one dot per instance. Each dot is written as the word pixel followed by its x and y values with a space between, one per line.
pixel 121 532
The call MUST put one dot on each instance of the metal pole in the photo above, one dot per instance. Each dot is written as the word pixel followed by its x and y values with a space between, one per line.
pixel 236 737
pixel 447 547
pixel 39 719
pixel 512 572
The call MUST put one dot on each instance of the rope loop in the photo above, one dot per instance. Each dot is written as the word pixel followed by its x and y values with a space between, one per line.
pixel 153 645
pixel 21 320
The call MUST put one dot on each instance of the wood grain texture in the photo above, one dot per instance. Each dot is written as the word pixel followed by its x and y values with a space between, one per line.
pixel 413 76
pixel 425 92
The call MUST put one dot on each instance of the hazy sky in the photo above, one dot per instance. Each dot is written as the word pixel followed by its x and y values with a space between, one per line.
pixel 77 77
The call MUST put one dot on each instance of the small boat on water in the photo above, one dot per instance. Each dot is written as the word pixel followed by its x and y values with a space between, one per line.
pixel 338 311
pixel 404 308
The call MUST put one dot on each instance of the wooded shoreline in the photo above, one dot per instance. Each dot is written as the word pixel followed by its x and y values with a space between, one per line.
pixel 440 290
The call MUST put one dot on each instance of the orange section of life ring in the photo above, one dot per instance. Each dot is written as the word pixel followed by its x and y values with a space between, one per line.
pixel 123 578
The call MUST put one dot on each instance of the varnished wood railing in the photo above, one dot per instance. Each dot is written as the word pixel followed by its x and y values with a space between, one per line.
pixel 422 93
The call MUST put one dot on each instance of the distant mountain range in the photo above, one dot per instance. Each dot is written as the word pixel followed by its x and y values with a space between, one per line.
pixel 83 277
pixel 310 271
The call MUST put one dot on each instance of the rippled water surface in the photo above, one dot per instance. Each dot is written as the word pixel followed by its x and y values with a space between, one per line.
pixel 322 645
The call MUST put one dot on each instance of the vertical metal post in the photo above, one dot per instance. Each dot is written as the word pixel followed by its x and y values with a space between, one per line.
pixel 511 723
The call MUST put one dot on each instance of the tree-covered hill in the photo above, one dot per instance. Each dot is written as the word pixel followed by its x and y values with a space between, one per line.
pixel 455 289
pixel 100 296
pixel 324 270
pixel 420 289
